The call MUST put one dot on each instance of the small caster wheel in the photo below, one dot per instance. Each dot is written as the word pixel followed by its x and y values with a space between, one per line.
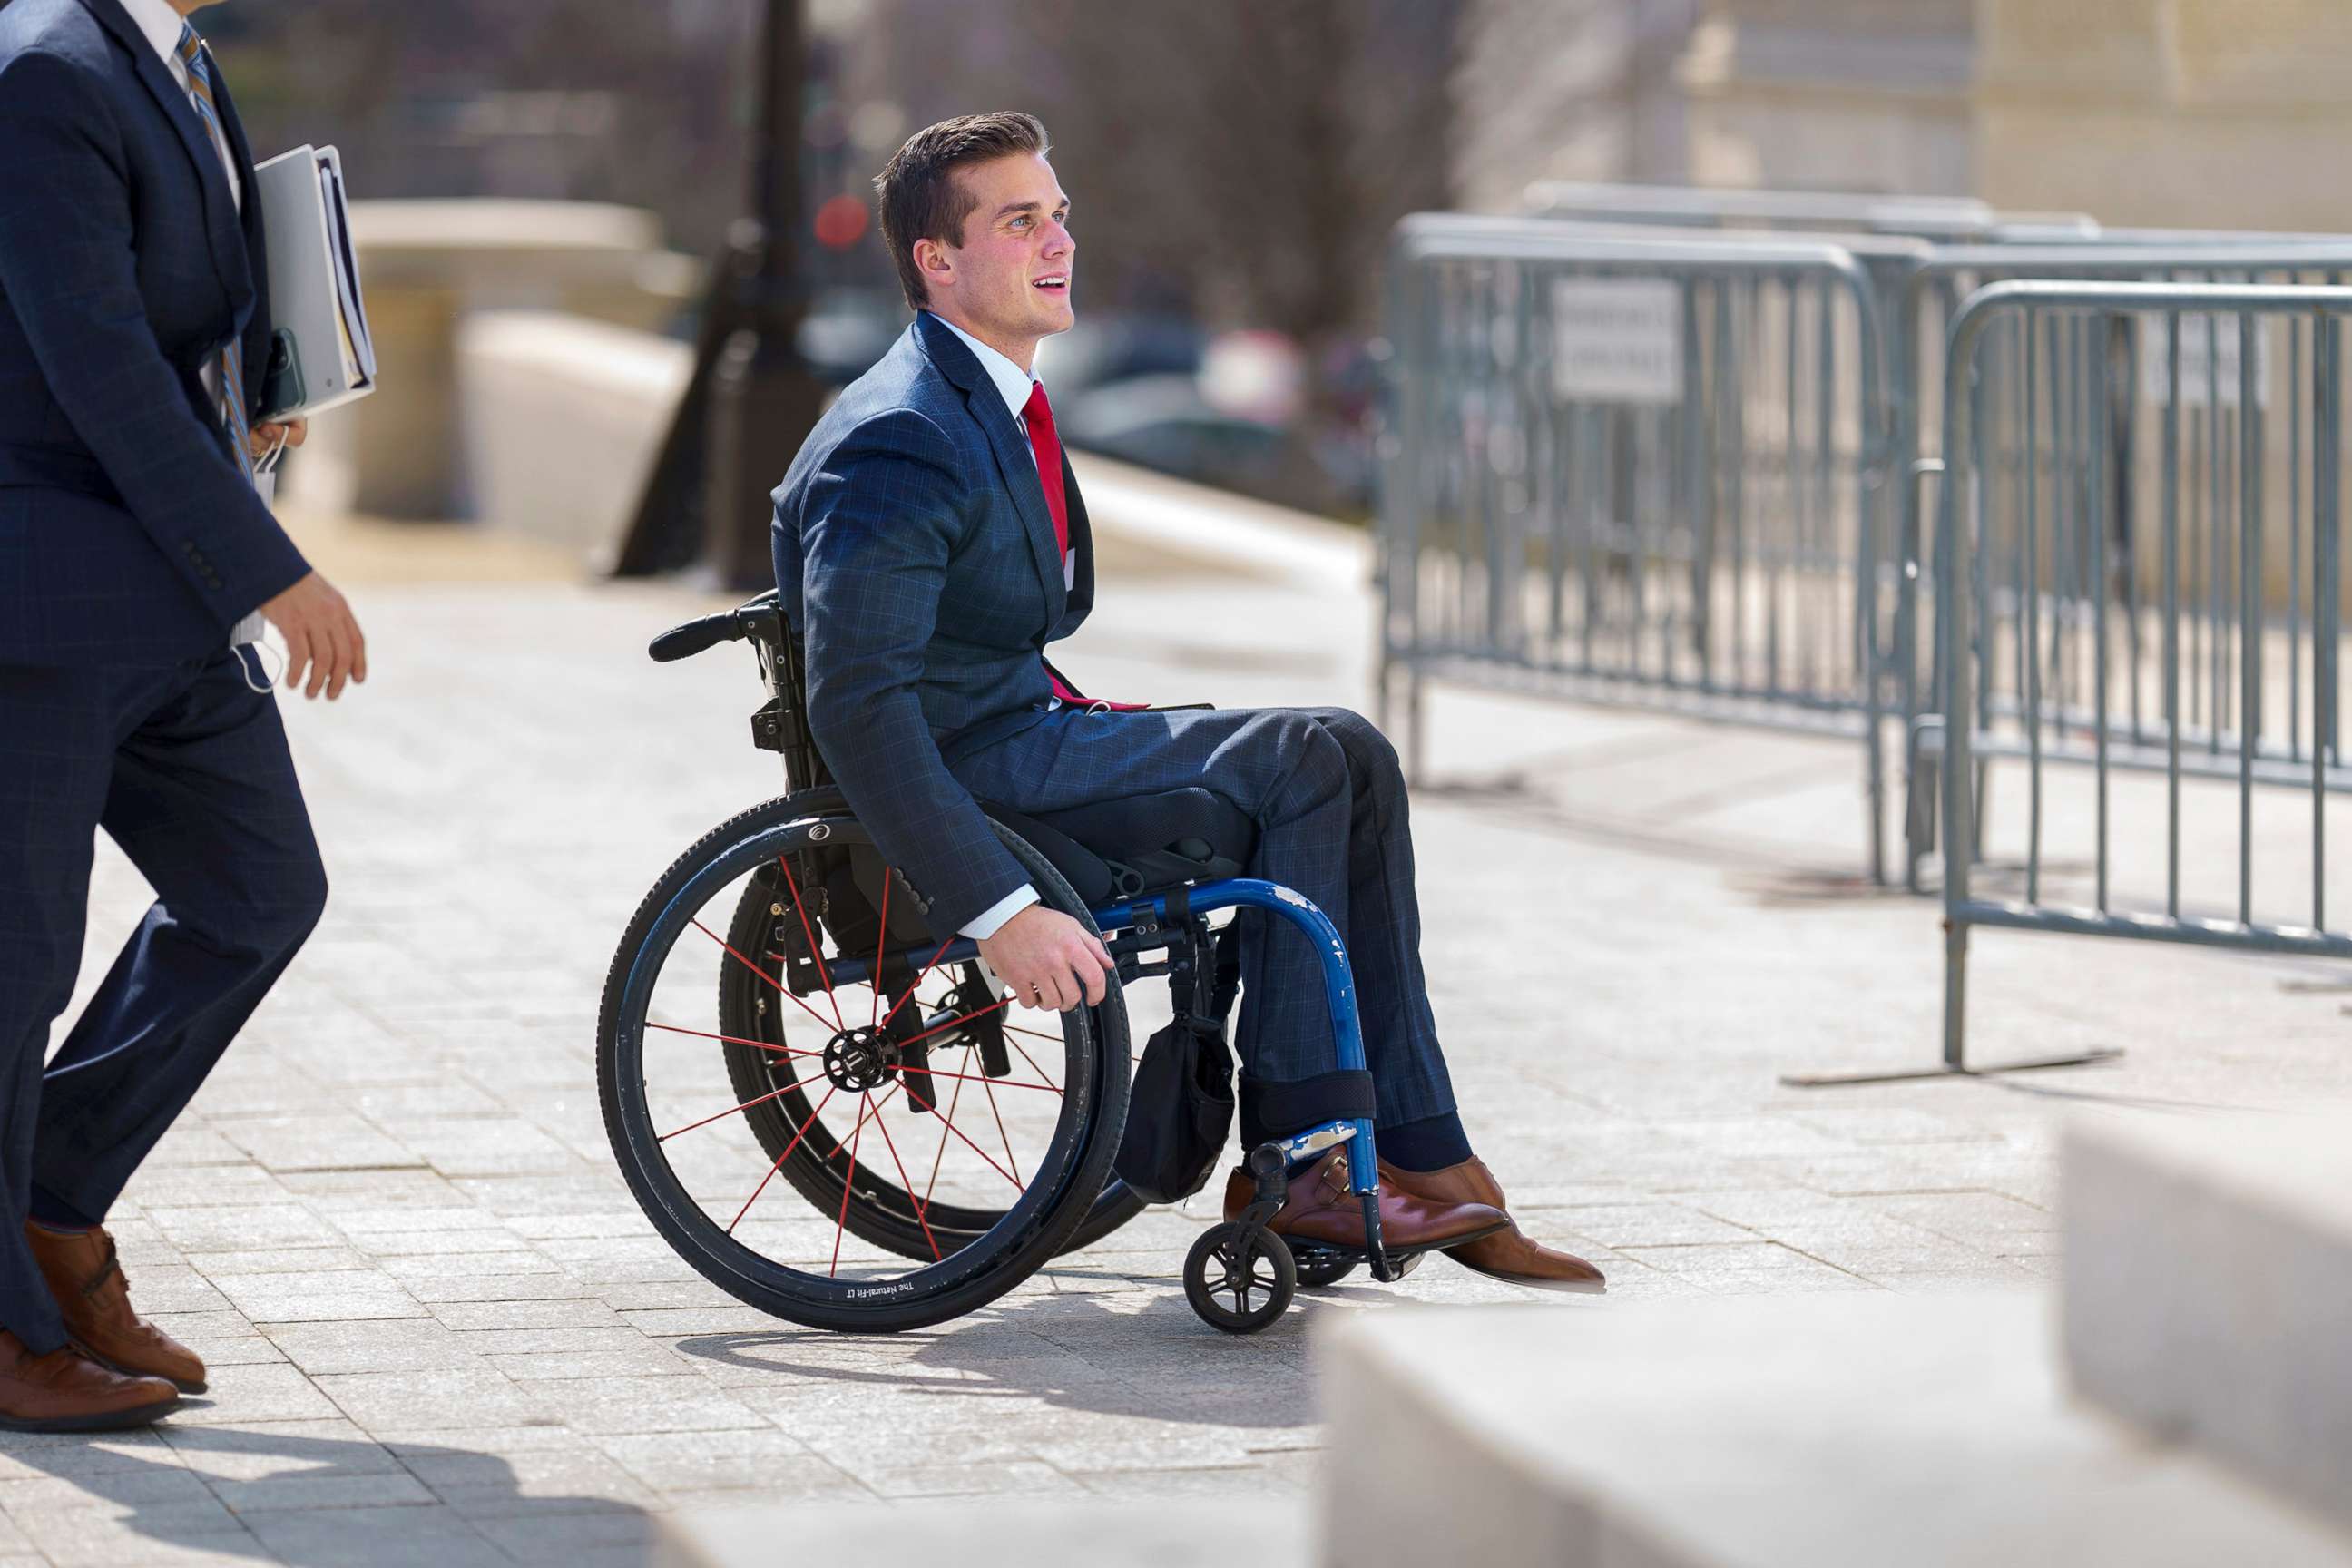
pixel 1233 1294
pixel 1320 1267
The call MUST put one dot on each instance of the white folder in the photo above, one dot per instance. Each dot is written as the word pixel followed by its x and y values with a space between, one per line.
pixel 322 354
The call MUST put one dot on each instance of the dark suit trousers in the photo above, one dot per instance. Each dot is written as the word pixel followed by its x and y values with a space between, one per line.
pixel 187 769
pixel 1324 787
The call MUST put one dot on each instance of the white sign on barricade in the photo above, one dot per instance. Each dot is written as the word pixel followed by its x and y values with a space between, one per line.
pixel 2209 345
pixel 1617 340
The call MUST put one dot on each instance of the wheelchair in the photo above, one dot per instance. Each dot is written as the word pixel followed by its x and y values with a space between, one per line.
pixel 944 1152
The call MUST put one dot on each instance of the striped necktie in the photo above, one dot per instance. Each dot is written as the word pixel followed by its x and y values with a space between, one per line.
pixel 232 358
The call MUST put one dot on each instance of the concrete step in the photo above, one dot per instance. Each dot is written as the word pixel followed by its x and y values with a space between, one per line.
pixel 1789 1432
pixel 1207 1532
pixel 2207 1276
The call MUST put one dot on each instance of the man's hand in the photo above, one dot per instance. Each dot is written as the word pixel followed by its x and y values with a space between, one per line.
pixel 322 636
pixel 1050 960
pixel 262 437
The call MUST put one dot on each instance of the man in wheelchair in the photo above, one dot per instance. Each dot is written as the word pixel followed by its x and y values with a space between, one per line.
pixel 930 542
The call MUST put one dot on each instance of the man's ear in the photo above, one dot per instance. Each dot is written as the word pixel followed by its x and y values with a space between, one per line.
pixel 933 261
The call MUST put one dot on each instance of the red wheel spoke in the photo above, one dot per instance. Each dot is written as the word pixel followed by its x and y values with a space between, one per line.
pixel 946 1122
pixel 814 951
pixel 735 1039
pixel 1009 1160
pixel 927 965
pixel 849 1186
pixel 1041 1072
pixel 759 972
pixel 955 1022
pixel 780 1158
pixel 934 1072
pixel 724 1114
pixel 873 1106
pixel 881 945
pixel 1033 1033
pixel 920 1206
pixel 983 1154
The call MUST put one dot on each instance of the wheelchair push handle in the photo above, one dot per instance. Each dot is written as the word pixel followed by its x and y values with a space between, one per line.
pixel 759 618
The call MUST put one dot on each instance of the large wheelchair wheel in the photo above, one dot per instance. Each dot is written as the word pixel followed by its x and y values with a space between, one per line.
pixel 937 1171
pixel 755 1021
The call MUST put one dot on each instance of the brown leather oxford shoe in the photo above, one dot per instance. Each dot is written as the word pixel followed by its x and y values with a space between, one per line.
pixel 1505 1254
pixel 65 1391
pixel 1320 1207
pixel 87 1279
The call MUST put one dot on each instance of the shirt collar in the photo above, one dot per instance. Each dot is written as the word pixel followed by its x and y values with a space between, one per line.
pixel 1011 380
pixel 161 24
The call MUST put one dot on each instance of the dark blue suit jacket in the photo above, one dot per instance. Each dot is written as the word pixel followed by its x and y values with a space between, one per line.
pixel 915 555
pixel 128 534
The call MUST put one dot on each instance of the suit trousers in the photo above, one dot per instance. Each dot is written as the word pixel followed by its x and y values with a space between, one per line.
pixel 187 769
pixel 1324 789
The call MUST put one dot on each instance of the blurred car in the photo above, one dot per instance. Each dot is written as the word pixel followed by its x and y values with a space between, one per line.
pixel 1166 422
pixel 1111 346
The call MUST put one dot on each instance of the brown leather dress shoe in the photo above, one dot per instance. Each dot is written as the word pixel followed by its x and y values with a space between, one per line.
pixel 65 1391
pixel 89 1283
pixel 1320 1207
pixel 1505 1254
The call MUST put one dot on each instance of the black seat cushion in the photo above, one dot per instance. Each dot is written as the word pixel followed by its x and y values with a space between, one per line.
pixel 1139 844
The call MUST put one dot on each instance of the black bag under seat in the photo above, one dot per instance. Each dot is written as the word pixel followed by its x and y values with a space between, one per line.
pixel 1180 1111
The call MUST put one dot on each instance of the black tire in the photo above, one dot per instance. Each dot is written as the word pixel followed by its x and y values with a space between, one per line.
pixel 1058 1197
pixel 1321 1267
pixel 877 1210
pixel 1220 1282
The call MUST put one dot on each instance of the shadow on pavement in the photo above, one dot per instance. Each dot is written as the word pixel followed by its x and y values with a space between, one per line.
pixel 1070 1353
pixel 310 1501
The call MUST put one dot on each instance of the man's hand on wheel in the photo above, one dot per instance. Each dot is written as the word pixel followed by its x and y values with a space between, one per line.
pixel 322 636
pixel 1050 960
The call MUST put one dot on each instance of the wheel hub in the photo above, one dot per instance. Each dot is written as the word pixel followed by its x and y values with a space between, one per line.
pixel 855 1059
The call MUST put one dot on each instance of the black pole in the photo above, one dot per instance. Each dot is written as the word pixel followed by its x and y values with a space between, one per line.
pixel 750 401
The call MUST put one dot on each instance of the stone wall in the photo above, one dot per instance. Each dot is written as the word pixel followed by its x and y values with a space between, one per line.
pixel 2171 113
pixel 1567 89
pixel 1841 95
pixel 2161 114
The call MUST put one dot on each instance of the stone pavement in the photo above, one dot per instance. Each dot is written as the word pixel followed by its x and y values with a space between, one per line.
pixel 442 1331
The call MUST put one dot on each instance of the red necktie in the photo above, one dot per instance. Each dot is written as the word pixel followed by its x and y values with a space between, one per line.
pixel 1045 443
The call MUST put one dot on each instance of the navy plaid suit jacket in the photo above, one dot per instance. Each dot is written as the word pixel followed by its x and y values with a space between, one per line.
pixel 915 556
pixel 128 534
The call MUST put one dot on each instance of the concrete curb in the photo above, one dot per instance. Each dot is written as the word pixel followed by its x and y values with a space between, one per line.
pixel 1799 1432
pixel 2208 1266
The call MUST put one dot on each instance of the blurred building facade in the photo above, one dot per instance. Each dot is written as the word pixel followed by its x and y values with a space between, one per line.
pixel 2172 113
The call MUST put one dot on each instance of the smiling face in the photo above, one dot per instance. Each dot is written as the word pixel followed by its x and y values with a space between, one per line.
pixel 1008 284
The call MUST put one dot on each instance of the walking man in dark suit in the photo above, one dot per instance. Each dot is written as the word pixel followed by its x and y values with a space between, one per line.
pixel 929 542
pixel 137 560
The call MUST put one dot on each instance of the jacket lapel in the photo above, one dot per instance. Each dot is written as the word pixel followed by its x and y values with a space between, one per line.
pixel 1014 461
pixel 220 206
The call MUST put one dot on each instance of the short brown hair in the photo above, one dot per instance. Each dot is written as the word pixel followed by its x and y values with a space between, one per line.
pixel 920 197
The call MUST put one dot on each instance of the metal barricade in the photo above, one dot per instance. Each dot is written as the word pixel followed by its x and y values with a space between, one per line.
pixel 2221 662
pixel 1943 219
pixel 2099 409
pixel 1636 471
